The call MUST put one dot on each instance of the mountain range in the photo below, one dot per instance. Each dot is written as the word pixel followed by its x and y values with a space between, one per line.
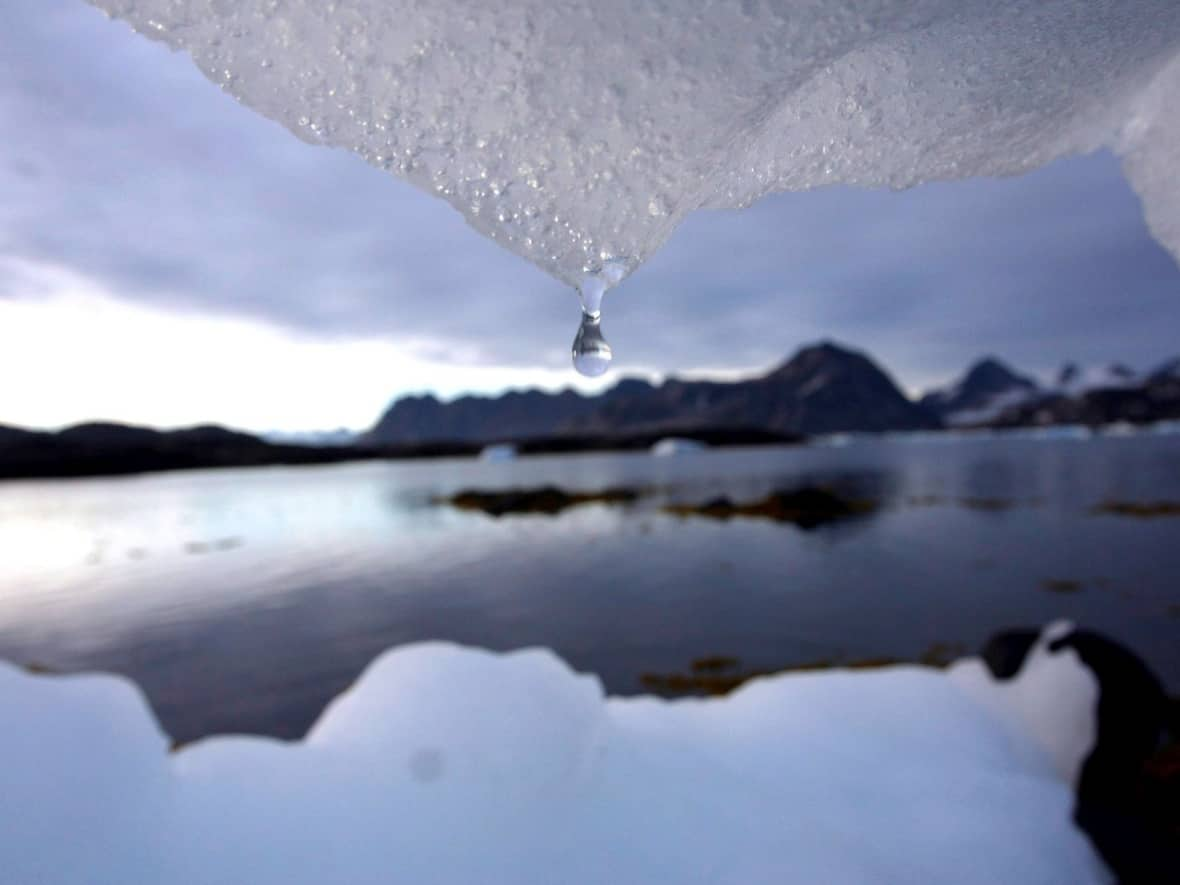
pixel 991 394
pixel 106 449
pixel 822 389
pixel 825 388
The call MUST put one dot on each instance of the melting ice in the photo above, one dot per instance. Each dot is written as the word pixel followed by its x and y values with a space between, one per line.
pixel 571 131
pixel 574 130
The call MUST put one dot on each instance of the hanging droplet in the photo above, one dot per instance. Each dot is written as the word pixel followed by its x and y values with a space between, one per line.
pixel 592 354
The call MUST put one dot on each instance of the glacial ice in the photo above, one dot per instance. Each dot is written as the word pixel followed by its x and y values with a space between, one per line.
pixel 580 132
pixel 452 765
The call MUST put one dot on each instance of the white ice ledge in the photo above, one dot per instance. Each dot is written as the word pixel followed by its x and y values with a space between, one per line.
pixel 577 131
pixel 451 765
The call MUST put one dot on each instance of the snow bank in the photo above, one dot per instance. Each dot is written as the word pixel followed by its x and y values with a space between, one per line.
pixel 446 764
pixel 580 131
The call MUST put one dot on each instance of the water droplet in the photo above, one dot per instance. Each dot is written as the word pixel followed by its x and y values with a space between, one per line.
pixel 592 355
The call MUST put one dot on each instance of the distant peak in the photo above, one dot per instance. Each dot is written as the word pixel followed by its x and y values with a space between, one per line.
pixel 1169 369
pixel 827 345
pixel 1068 374
pixel 820 350
pixel 631 385
pixel 1121 370
pixel 989 363
pixel 993 369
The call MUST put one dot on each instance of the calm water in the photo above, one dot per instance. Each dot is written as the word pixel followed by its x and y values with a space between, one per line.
pixel 243 600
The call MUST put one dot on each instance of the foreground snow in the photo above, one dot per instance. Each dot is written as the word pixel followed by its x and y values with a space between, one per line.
pixel 577 132
pixel 447 764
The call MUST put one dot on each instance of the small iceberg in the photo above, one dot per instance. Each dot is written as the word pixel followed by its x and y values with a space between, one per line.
pixel 1119 428
pixel 498 452
pixel 676 445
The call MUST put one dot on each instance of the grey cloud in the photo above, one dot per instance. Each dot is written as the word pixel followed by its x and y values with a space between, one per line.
pixel 122 162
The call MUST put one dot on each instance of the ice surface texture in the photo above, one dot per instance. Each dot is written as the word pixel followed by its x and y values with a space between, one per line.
pixel 444 764
pixel 578 131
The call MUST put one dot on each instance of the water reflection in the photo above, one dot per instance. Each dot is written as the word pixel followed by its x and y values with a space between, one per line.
pixel 245 600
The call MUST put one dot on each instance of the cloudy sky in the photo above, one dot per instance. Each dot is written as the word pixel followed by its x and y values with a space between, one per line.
pixel 168 257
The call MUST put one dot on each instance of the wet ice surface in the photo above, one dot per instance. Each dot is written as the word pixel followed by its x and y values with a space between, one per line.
pixel 243 600
pixel 447 765
pixel 577 133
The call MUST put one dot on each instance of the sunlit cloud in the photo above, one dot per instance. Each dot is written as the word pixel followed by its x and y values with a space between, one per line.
pixel 70 350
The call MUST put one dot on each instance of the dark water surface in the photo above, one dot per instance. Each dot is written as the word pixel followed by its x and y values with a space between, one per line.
pixel 243 600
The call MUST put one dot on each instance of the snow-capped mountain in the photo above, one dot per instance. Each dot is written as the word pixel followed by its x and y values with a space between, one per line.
pixel 1168 371
pixel 993 395
pixel 986 390
pixel 1074 380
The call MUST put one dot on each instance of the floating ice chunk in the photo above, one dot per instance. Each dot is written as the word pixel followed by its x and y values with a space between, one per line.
pixel 674 445
pixel 581 132
pixel 498 452
pixel 444 764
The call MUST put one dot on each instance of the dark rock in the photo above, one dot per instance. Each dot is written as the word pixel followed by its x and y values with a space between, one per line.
pixel 1061 585
pixel 548 500
pixel 715 664
pixel 1132 715
pixel 1005 652
pixel 1139 509
pixel 808 507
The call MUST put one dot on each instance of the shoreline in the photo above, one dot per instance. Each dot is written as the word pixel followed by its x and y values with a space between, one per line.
pixel 112 450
